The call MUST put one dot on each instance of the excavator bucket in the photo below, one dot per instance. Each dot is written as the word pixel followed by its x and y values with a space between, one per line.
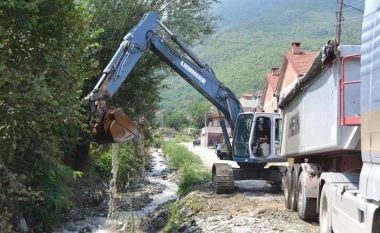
pixel 115 127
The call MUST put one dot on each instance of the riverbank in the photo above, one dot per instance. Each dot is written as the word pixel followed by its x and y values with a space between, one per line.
pixel 156 187
pixel 254 207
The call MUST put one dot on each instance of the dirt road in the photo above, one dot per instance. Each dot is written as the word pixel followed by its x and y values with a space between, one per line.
pixel 254 207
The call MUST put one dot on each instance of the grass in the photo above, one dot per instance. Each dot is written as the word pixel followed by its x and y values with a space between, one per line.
pixel 190 165
pixel 190 202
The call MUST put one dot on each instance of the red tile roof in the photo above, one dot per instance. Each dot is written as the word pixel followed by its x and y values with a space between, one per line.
pixel 301 62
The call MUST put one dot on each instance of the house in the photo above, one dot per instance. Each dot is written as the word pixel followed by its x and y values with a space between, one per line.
pixel 294 65
pixel 249 101
pixel 269 101
pixel 212 133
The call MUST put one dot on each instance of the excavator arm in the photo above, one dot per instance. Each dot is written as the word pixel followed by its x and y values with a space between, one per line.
pixel 196 72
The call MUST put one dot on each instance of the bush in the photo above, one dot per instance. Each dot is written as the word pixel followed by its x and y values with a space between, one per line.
pixel 131 163
pixel 54 181
pixel 173 223
pixel 191 202
pixel 183 136
pixel 190 165
pixel 192 177
pixel 157 141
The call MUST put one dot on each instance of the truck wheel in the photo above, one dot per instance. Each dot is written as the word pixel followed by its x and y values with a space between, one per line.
pixel 287 188
pixel 294 189
pixel 324 212
pixel 307 207
pixel 376 222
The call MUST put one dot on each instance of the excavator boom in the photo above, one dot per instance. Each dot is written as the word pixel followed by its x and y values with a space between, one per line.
pixel 111 125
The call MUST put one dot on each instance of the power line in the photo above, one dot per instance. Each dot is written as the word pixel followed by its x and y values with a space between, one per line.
pixel 356 3
pixel 355 8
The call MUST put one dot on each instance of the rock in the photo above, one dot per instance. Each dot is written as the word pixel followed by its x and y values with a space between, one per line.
pixel 217 218
pixel 23 226
pixel 259 211
pixel 156 221
pixel 85 230
pixel 184 227
pixel 212 227
pixel 240 221
pixel 241 229
pixel 193 222
pixel 193 229
pixel 185 212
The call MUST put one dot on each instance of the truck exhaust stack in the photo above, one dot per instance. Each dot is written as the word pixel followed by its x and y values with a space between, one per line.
pixel 115 127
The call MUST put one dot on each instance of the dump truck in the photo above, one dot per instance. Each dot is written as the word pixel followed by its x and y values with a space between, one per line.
pixel 331 135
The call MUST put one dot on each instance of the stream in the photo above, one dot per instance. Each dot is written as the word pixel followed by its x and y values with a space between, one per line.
pixel 117 220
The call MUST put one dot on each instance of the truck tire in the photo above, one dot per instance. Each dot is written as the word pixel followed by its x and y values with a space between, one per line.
pixel 294 188
pixel 324 212
pixel 376 222
pixel 287 187
pixel 307 207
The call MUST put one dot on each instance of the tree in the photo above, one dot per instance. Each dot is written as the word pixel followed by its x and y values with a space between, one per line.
pixel 175 120
pixel 43 49
pixel 190 19
pixel 47 50
pixel 197 111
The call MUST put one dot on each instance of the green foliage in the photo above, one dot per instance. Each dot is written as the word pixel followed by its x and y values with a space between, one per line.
pixel 192 176
pixel 176 120
pixel 173 223
pixel 190 165
pixel 192 116
pixel 190 202
pixel 197 112
pixel 43 50
pixel 252 38
pixel 50 55
pixel 157 141
pixel 14 196
pixel 183 137
pixel 103 163
pixel 131 163
pixel 117 17
pixel 54 186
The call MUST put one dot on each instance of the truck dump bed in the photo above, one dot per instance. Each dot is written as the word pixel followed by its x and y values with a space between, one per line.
pixel 322 112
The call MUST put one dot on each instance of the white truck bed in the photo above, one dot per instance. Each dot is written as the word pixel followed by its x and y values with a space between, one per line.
pixel 318 118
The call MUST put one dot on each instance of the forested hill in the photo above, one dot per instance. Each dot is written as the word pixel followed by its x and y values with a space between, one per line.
pixel 252 36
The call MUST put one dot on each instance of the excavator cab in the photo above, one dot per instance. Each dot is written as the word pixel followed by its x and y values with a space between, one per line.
pixel 257 137
pixel 115 127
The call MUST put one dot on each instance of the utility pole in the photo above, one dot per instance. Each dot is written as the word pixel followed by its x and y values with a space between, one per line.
pixel 338 25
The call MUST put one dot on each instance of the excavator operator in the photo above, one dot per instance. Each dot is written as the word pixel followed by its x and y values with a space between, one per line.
pixel 261 138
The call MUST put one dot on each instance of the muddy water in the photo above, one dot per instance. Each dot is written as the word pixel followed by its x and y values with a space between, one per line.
pixel 113 188
pixel 119 221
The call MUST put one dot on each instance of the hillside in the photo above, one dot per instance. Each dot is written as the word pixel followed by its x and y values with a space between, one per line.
pixel 252 36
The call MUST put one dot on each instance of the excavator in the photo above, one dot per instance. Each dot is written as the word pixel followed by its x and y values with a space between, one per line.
pixel 111 125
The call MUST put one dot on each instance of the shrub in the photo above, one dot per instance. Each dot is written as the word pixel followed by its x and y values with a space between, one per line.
pixel 188 164
pixel 54 181
pixel 131 163
pixel 173 223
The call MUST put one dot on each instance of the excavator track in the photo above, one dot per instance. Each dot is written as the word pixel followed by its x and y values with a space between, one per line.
pixel 222 178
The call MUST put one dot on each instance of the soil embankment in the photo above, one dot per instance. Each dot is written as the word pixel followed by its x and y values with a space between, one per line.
pixel 254 207
pixel 157 187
